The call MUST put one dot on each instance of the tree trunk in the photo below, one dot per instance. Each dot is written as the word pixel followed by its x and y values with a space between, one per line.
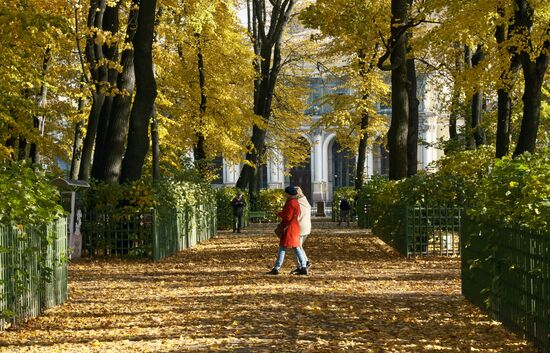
pixel 41 101
pixel 453 116
pixel 146 92
pixel 199 149
pixel 397 134
pixel 34 154
pixel 111 21
pixel 99 73
pixel 504 115
pixel 362 152
pixel 477 110
pixel 412 132
pixel 155 147
pixel 22 149
pixel 89 139
pixel 109 166
pixel 77 147
pixel 476 136
pixel 533 75
pixel 504 101
pixel 267 46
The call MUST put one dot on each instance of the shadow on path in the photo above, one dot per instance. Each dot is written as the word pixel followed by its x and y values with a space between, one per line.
pixel 360 297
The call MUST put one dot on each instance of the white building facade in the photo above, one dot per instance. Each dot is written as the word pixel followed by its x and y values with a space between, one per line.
pixel 329 167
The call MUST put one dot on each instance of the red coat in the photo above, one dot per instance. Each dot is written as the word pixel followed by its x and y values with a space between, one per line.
pixel 289 215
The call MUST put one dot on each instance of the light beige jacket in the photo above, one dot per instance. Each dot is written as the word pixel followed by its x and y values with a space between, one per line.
pixel 304 219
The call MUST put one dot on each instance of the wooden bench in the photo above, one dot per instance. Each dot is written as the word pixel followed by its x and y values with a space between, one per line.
pixel 257 215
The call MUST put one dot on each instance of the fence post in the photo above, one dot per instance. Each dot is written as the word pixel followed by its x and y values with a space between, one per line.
pixel 155 239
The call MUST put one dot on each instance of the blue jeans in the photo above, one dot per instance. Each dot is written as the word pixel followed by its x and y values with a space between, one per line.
pixel 302 240
pixel 281 257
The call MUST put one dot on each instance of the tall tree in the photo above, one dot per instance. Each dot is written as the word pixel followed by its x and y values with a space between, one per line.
pixel 511 64
pixel 199 150
pixel 196 97
pixel 412 128
pixel 38 82
pixel 108 167
pixel 110 51
pixel 397 53
pixel 351 47
pixel 146 92
pixel 155 146
pixel 99 74
pixel 268 24
pixel 476 137
pixel 534 62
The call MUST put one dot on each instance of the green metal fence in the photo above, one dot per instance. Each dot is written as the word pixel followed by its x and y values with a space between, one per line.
pixel 33 270
pixel 506 271
pixel 154 234
pixel 419 230
pixel 104 234
pixel 177 230
pixel 433 230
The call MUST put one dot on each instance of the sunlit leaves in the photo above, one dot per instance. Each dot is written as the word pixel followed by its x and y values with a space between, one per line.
pixel 212 27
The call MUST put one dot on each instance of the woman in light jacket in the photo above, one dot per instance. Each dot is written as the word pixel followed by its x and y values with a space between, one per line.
pixel 304 220
pixel 291 237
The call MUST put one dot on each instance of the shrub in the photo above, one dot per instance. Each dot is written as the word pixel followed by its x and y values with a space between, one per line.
pixel 224 195
pixel 516 191
pixel 344 192
pixel 271 201
pixel 121 200
pixel 26 197
pixel 28 206
pixel 364 198
pixel 460 174
pixel 386 213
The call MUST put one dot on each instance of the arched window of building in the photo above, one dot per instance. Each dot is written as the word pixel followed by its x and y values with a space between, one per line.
pixel 301 175
pixel 384 162
pixel 263 177
pixel 343 167
pixel 217 167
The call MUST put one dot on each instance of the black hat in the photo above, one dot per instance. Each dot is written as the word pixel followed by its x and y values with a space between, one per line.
pixel 291 190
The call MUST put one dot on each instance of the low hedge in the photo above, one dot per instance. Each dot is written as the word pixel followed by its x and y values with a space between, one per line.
pixel 122 201
pixel 364 200
pixel 344 192
pixel 26 196
pixel 271 201
pixel 224 195
pixel 516 192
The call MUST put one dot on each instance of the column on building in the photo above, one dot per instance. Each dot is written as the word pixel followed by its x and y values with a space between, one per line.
pixel 369 164
pixel 319 164
pixel 231 173
pixel 275 171
pixel 430 137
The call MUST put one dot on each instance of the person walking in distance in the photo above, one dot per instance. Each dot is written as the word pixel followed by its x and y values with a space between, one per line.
pixel 290 237
pixel 304 220
pixel 238 205
pixel 344 211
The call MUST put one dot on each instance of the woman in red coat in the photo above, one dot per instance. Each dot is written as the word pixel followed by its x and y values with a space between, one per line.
pixel 291 237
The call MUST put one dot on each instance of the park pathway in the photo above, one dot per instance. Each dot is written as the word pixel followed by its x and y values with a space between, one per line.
pixel 360 297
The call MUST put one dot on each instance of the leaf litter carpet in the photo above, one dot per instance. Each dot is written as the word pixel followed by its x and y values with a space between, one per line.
pixel 360 297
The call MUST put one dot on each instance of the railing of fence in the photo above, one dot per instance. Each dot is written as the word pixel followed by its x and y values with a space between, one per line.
pixel 506 271
pixel 155 234
pixel 33 270
pixel 417 230
pixel 433 230
pixel 176 230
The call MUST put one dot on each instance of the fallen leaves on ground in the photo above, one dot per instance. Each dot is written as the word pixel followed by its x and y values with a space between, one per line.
pixel 360 297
